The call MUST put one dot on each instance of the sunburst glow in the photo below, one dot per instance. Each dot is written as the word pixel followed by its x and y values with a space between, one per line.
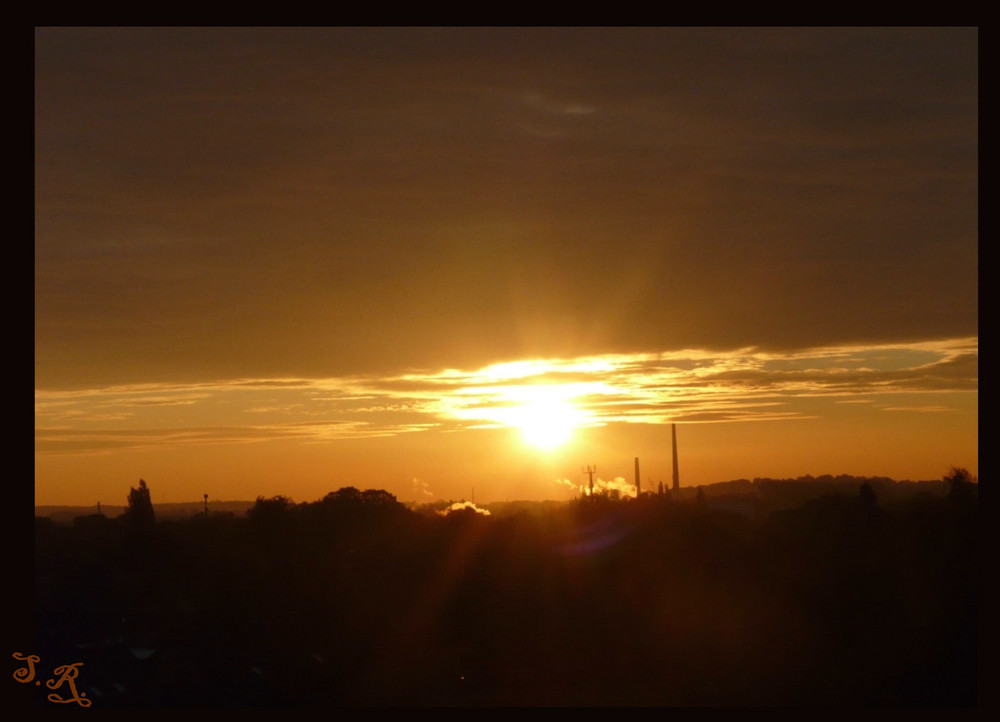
pixel 545 415
pixel 546 423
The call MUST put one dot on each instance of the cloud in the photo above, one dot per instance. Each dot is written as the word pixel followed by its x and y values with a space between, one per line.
pixel 203 206
pixel 692 386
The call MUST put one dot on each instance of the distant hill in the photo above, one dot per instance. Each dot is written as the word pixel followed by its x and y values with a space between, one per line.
pixel 806 487
pixel 180 510
pixel 759 495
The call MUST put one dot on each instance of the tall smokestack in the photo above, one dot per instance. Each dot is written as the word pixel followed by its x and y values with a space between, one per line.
pixel 638 486
pixel 677 476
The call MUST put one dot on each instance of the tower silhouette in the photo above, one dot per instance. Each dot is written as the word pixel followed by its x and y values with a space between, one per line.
pixel 638 483
pixel 590 472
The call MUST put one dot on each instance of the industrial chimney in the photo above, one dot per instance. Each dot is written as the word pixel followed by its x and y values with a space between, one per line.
pixel 638 485
pixel 677 477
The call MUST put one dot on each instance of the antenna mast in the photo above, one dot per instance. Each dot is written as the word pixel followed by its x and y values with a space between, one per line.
pixel 590 473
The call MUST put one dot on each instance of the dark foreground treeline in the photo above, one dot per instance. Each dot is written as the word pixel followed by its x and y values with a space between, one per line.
pixel 357 600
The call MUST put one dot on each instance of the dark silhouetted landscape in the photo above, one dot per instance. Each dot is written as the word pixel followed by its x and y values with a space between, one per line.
pixel 806 594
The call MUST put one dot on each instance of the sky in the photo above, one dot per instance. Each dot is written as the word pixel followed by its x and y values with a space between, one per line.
pixel 469 263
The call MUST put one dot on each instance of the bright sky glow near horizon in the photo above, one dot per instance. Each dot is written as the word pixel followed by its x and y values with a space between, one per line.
pixel 438 260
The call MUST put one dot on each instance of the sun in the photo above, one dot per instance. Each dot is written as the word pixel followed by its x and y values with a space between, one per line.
pixel 545 419
pixel 546 415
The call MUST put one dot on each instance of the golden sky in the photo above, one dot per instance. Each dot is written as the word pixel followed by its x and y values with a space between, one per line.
pixel 283 261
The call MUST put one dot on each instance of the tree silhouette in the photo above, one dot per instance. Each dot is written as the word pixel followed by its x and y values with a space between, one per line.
pixel 867 495
pixel 271 518
pixel 265 510
pixel 961 483
pixel 140 507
